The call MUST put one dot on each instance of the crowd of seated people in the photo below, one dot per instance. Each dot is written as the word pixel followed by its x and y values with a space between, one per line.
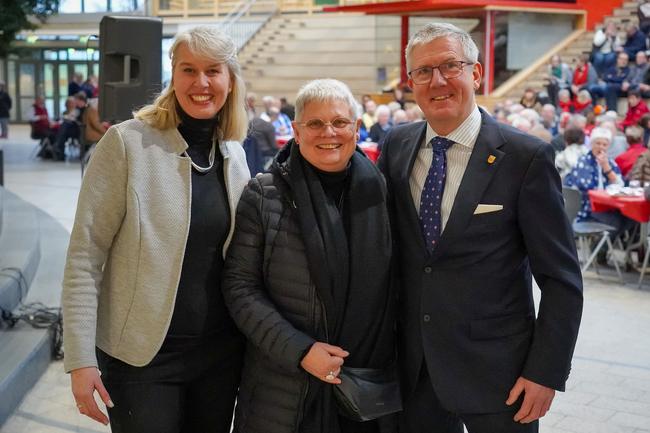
pixel 617 64
pixel 70 126
pixel 80 116
pixel 270 124
pixel 594 147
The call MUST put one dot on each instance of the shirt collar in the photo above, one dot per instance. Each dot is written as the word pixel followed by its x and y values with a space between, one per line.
pixel 465 135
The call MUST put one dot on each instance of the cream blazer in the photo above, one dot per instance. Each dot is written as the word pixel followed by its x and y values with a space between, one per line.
pixel 128 242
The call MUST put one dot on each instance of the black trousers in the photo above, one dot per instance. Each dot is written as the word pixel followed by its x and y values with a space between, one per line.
pixel 423 413
pixel 67 130
pixel 187 391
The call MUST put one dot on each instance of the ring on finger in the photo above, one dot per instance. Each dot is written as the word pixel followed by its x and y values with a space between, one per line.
pixel 330 376
pixel 80 406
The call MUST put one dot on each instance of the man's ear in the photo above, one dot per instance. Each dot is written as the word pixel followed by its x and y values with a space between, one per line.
pixel 477 75
pixel 296 132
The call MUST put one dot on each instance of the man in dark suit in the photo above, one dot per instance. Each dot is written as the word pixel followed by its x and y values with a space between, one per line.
pixel 477 210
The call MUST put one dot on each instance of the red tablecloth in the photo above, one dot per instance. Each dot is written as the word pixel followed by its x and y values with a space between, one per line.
pixel 281 140
pixel 636 208
pixel 370 150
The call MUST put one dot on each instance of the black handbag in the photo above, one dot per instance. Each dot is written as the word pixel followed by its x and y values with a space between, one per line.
pixel 365 394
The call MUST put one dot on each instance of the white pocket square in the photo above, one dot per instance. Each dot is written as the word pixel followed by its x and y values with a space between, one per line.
pixel 486 208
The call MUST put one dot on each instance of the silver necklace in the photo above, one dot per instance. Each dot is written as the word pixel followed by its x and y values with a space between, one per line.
pixel 210 159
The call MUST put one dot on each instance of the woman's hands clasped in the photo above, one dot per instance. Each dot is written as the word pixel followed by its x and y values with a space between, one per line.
pixel 84 383
pixel 324 361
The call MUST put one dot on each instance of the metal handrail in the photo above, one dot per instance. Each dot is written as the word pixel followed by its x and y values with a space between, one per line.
pixel 235 14
pixel 242 33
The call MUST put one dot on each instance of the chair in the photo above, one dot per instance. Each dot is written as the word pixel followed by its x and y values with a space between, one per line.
pixel 585 231
pixel 73 148
pixel 45 147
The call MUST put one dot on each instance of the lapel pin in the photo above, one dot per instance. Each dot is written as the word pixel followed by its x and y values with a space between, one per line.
pixel 491 159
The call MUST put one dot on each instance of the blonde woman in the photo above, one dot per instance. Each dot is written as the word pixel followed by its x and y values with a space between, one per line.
pixel 141 290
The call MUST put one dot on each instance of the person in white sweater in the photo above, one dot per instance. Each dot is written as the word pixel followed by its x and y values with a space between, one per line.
pixel 575 148
pixel 141 291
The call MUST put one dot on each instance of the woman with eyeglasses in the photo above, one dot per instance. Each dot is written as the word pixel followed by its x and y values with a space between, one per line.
pixel 308 274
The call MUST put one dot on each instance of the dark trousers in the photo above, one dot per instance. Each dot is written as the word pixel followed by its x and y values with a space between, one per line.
pixel 186 391
pixel 602 62
pixel 423 413
pixel 612 93
pixel 67 130
pixel 620 222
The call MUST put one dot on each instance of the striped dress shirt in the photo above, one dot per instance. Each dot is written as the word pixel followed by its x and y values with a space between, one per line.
pixel 458 155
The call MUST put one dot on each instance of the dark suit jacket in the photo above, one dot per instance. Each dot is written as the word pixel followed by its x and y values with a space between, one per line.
pixel 467 309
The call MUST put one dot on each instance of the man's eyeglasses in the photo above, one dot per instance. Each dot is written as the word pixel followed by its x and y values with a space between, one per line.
pixel 448 70
pixel 318 125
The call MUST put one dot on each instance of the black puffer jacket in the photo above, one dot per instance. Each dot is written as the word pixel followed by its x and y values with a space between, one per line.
pixel 277 307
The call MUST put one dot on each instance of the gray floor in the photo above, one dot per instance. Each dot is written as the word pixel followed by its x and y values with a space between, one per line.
pixel 609 387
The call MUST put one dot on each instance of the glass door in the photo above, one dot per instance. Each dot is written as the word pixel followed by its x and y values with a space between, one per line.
pixel 27 89
pixel 62 85
pixel 49 88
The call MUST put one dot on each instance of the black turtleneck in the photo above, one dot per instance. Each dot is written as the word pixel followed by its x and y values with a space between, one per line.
pixel 333 183
pixel 199 311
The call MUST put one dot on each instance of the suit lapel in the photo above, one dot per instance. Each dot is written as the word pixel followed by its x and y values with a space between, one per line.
pixel 411 147
pixel 483 164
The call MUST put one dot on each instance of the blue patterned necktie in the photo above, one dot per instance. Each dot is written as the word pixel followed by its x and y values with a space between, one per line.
pixel 431 198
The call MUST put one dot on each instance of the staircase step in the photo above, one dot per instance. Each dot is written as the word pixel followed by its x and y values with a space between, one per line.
pixel 26 352
pixel 19 249
pixel 624 12
pixel 289 87
pixel 318 71
pixel 350 58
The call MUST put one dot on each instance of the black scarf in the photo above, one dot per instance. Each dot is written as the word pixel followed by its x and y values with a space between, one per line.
pixel 351 271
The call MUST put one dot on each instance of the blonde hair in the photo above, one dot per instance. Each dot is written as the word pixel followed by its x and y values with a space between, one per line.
pixel 215 45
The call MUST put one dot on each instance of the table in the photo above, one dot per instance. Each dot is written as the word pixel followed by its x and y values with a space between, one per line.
pixel 633 207
pixel 370 149
pixel 282 140
pixel 636 208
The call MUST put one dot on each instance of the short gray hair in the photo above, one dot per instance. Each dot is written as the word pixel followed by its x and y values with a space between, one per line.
pixel 382 109
pixel 325 90
pixel 434 31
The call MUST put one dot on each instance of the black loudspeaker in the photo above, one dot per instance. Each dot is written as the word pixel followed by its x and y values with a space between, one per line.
pixel 130 64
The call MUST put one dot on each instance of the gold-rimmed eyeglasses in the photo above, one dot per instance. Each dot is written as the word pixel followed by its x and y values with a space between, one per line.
pixel 448 70
pixel 318 124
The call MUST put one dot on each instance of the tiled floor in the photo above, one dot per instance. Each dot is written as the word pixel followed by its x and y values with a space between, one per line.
pixel 609 387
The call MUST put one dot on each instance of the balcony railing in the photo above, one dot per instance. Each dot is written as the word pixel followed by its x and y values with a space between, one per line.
pixel 202 8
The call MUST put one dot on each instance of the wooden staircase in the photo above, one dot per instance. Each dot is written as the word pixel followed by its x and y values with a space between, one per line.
pixel 361 50
pixel 293 49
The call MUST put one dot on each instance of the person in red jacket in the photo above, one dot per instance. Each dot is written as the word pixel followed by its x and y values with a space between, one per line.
pixel 564 102
pixel 636 108
pixel 582 103
pixel 41 127
pixel 584 74
pixel 626 160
